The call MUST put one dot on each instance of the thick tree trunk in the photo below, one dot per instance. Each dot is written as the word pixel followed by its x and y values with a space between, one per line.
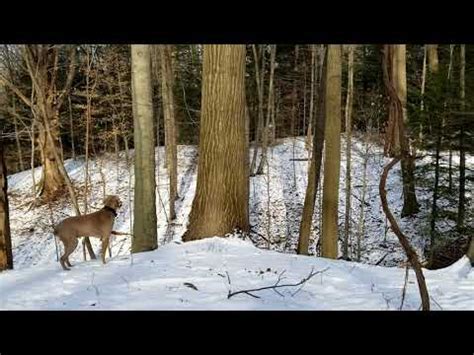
pixel 332 158
pixel 144 220
pixel 52 182
pixel 348 113
pixel 6 256
pixel 221 201
pixel 314 169
pixel 170 125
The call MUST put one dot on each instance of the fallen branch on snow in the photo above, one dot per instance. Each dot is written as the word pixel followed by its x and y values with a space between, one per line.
pixel 276 285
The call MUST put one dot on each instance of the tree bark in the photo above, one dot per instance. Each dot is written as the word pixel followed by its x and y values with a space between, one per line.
pixel 332 158
pixel 170 125
pixel 221 201
pixel 314 169
pixel 6 256
pixel 145 220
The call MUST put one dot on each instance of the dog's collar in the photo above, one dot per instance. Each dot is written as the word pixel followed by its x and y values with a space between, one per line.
pixel 111 210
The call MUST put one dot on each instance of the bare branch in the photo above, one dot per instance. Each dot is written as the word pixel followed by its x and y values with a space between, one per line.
pixel 15 89
pixel 70 77
pixel 276 285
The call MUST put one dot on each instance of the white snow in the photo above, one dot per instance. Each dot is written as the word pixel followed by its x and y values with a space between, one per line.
pixel 155 280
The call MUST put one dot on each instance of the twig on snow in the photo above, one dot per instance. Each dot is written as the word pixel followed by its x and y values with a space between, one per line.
pixel 276 285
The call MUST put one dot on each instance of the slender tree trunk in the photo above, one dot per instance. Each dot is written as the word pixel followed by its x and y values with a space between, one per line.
pixel 423 86
pixel 294 100
pixel 433 57
pixel 332 158
pixel 88 125
pixel 462 153
pixel 6 256
pixel 32 160
pixel 304 97
pixel 259 78
pixel 17 138
pixel 434 208
pixel 71 126
pixel 309 133
pixel 220 204
pixel 145 220
pixel 450 159
pixel 314 169
pixel 361 228
pixel 410 204
pixel 397 145
pixel 170 125
pixel 348 112
pixel 411 253
pixel 264 155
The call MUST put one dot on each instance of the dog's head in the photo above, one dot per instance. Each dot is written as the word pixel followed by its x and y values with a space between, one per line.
pixel 113 201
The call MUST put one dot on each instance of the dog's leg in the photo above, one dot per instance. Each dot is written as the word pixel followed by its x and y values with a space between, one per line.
pixel 105 244
pixel 69 250
pixel 62 259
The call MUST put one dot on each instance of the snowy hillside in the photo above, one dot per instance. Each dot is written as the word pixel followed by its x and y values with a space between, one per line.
pixel 282 194
pixel 194 275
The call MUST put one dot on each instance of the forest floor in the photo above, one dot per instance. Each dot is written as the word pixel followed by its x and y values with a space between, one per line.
pixel 156 280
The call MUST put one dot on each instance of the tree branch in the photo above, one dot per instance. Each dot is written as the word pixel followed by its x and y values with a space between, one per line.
pixel 276 285
pixel 70 77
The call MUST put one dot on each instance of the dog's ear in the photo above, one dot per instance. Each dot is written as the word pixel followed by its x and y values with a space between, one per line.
pixel 107 200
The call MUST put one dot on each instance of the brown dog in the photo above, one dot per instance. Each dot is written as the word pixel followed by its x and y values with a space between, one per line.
pixel 98 224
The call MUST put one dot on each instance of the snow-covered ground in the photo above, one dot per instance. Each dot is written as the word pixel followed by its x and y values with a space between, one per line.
pixel 196 275
pixel 156 279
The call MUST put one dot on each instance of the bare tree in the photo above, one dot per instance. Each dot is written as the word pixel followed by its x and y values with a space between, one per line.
pixel 396 146
pixel 144 219
pixel 315 167
pixel 220 204
pixel 42 66
pixel 329 235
